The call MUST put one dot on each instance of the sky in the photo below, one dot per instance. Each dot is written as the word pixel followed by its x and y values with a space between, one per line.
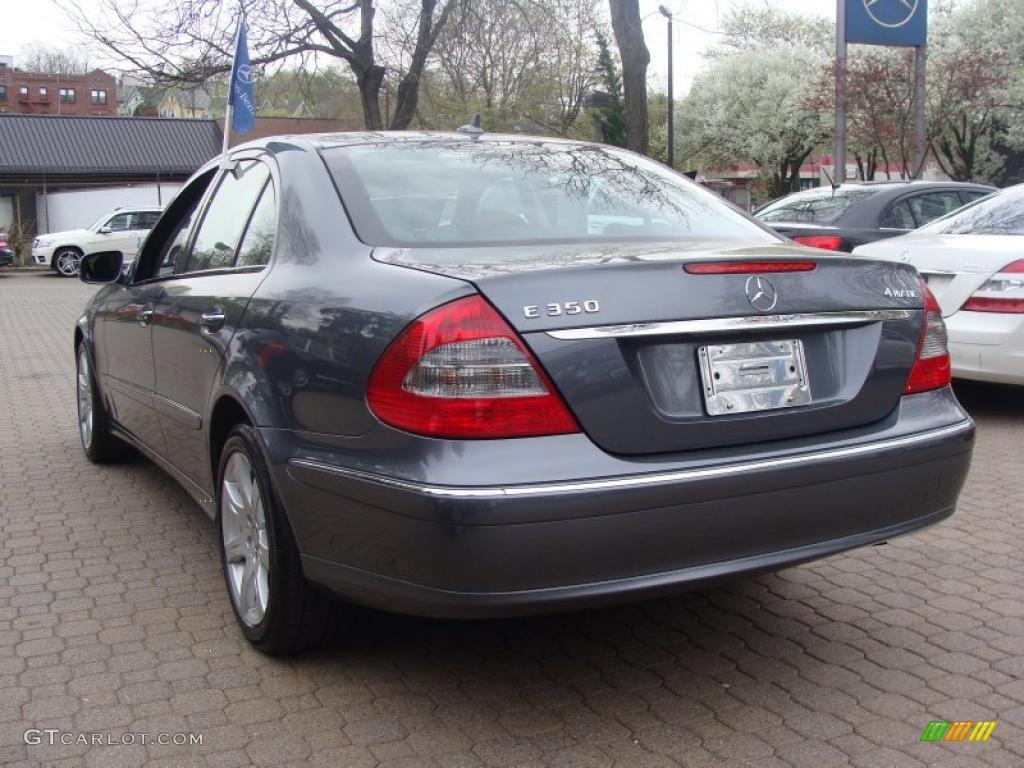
pixel 693 30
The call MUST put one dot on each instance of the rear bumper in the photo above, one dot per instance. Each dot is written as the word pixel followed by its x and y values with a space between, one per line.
pixel 987 346
pixel 470 551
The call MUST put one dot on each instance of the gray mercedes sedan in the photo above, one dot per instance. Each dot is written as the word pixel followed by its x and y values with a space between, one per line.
pixel 459 375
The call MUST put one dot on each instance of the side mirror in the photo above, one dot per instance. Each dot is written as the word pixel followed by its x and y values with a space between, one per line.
pixel 102 267
pixel 105 230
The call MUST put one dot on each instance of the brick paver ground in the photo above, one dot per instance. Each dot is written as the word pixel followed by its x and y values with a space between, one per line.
pixel 114 620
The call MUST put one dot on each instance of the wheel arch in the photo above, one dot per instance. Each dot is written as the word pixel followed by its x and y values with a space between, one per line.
pixel 227 412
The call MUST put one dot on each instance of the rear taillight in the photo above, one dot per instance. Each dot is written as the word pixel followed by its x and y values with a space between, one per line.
pixel 931 367
pixel 1003 292
pixel 460 371
pixel 747 267
pixel 825 242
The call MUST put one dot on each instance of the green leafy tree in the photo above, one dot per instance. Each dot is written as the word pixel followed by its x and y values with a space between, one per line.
pixel 754 106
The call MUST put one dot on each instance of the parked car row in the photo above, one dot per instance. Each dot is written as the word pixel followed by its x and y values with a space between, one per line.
pixel 6 254
pixel 964 239
pixel 122 230
pixel 973 261
pixel 849 215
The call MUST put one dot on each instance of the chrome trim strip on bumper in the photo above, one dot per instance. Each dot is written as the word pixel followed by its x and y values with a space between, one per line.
pixel 722 324
pixel 632 481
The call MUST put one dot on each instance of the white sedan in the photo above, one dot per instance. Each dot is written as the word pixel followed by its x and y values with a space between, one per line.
pixel 973 261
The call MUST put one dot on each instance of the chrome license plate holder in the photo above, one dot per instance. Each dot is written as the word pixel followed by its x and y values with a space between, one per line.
pixel 753 376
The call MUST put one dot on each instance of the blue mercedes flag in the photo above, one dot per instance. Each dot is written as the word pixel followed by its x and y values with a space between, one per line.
pixel 240 97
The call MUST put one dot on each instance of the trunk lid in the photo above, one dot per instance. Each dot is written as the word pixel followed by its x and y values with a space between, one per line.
pixel 614 326
pixel 955 266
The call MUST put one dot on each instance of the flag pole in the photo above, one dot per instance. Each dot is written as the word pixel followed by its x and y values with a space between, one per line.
pixel 228 109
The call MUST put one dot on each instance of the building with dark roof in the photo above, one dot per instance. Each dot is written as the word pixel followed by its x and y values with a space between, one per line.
pixel 41 154
pixel 45 93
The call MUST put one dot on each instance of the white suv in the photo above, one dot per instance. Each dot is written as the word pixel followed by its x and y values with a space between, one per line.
pixel 123 230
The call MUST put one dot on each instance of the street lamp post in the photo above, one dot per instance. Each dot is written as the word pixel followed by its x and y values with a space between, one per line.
pixel 671 104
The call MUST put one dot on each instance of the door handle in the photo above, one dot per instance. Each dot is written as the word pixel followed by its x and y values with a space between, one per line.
pixel 213 320
pixel 145 317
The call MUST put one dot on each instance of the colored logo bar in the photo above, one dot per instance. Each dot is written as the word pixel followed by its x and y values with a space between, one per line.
pixel 958 730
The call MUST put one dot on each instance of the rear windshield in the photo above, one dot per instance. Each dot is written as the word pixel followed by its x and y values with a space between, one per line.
pixel 815 206
pixel 493 192
pixel 999 214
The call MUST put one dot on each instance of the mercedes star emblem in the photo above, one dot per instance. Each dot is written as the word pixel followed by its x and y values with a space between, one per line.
pixel 761 293
pixel 891 14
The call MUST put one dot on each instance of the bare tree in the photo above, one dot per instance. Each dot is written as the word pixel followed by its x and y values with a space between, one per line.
pixel 629 36
pixel 518 62
pixel 191 41
pixel 53 61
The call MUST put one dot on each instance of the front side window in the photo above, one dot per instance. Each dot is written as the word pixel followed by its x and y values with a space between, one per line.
pixel 225 218
pixel 898 216
pixel 165 251
pixel 119 223
pixel 932 205
pixel 461 193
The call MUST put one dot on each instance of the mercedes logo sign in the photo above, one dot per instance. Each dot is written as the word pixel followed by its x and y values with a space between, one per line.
pixel 891 14
pixel 761 293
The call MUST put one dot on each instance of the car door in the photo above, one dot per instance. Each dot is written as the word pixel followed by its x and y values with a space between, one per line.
pixel 116 234
pixel 203 304
pixel 125 331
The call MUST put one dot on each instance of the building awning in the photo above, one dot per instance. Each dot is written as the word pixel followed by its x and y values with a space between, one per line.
pixel 103 148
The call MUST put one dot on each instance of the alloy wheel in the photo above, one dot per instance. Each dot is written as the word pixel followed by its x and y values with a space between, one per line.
pixel 67 263
pixel 84 387
pixel 244 534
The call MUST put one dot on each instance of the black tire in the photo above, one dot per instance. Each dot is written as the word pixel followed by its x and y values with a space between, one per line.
pixel 298 615
pixel 99 444
pixel 62 258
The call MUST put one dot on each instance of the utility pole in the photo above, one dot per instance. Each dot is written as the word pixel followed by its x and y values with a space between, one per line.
pixel 671 97
pixel 920 126
pixel 840 146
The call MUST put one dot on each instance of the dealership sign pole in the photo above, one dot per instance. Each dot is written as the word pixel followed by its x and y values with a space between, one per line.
pixel 902 23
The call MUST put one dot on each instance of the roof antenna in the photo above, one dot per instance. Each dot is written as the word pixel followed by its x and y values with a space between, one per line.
pixel 831 181
pixel 472 128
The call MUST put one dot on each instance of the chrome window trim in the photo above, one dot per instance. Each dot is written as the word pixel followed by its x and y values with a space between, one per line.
pixel 633 481
pixel 726 324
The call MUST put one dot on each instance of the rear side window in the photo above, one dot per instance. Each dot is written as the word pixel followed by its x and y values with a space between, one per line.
pixel 226 216
pixel 145 219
